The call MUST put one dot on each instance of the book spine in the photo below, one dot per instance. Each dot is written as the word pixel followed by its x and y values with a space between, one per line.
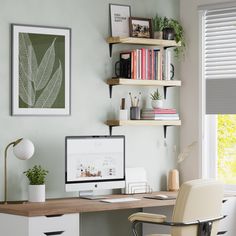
pixel 152 64
pixel 143 63
pixel 140 63
pixel 146 63
pixel 135 64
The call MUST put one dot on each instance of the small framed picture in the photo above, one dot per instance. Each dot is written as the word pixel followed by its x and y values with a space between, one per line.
pixel 119 20
pixel 140 27
pixel 40 70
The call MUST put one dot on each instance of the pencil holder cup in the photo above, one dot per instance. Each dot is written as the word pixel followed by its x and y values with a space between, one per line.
pixel 134 113
pixel 123 115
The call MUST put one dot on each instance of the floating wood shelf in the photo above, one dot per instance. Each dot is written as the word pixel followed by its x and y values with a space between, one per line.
pixel 122 81
pixel 164 123
pixel 141 41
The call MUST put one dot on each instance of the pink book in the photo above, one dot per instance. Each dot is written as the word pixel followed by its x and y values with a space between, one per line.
pixel 164 111
pixel 143 63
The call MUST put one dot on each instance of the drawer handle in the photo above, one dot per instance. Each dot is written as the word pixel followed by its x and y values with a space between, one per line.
pixel 59 215
pixel 54 233
pixel 221 232
pixel 225 200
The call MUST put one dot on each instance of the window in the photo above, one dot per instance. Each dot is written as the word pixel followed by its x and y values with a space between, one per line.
pixel 226 145
pixel 219 93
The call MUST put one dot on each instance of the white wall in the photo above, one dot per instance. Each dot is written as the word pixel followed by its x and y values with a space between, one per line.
pixel 190 93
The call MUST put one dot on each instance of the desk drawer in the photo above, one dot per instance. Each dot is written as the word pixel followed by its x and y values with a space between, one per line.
pixel 64 225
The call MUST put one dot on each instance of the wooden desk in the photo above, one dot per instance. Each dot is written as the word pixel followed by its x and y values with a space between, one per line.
pixel 76 205
pixel 62 216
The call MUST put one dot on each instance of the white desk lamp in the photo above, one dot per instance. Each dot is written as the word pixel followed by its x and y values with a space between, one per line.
pixel 23 149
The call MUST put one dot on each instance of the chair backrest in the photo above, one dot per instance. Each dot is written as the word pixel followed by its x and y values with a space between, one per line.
pixel 197 200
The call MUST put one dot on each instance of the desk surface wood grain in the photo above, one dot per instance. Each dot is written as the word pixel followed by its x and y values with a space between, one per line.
pixel 77 205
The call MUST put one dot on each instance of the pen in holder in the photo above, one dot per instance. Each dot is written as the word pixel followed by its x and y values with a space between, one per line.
pixel 134 113
pixel 134 109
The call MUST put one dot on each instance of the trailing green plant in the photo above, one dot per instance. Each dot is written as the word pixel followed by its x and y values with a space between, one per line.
pixel 156 95
pixel 158 23
pixel 179 34
pixel 36 175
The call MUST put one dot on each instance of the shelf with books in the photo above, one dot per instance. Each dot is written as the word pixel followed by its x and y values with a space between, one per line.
pixel 141 41
pixel 164 123
pixel 162 83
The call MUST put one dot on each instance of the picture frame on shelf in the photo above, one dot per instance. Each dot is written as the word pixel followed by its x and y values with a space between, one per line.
pixel 40 70
pixel 140 27
pixel 119 20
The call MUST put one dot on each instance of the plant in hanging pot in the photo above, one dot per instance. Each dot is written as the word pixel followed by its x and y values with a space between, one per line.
pixel 36 176
pixel 168 30
pixel 173 30
pixel 158 24
pixel 157 101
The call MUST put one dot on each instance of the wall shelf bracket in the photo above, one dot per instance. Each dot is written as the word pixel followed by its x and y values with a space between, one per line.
pixel 110 90
pixel 165 130
pixel 110 129
pixel 110 49
pixel 165 91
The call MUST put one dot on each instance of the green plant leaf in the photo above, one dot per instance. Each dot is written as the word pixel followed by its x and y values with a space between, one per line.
pixel 45 68
pixel 50 92
pixel 26 90
pixel 36 175
pixel 27 57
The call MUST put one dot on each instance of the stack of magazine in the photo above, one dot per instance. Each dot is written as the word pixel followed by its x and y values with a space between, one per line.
pixel 159 114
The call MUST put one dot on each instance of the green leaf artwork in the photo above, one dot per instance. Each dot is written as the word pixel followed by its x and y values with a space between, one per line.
pixel 41 80
pixel 49 94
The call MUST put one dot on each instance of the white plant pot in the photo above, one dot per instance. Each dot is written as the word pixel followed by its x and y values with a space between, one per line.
pixel 157 104
pixel 158 35
pixel 37 193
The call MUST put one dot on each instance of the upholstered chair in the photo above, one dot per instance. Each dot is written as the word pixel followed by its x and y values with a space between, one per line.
pixel 196 213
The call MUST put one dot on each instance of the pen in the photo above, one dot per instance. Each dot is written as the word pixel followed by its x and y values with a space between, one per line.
pixel 131 98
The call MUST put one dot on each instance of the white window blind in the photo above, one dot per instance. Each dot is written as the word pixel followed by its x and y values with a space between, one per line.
pixel 219 36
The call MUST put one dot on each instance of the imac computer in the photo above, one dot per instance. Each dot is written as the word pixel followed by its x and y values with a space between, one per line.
pixel 94 163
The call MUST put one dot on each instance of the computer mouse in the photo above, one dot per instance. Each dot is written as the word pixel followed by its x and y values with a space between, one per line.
pixel 161 196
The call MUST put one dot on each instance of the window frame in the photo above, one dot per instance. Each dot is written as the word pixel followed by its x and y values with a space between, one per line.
pixel 208 123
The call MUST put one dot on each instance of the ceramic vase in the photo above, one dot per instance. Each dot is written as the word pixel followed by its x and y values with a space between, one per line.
pixel 157 104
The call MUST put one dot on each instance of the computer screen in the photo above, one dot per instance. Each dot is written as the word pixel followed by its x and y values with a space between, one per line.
pixel 94 162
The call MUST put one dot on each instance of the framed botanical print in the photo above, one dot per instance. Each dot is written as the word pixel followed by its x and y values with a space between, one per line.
pixel 40 70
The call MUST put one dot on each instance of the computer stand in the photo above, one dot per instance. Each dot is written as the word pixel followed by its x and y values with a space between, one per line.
pixel 90 195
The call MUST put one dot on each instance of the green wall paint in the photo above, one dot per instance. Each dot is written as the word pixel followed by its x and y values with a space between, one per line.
pixel 90 103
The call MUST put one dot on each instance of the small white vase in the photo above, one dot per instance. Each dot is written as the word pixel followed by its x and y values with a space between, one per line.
pixel 36 193
pixel 157 104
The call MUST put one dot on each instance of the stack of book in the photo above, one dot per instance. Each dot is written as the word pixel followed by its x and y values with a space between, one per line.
pixel 159 114
pixel 145 64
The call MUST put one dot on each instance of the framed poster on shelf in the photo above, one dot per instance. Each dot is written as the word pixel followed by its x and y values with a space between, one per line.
pixel 119 18
pixel 40 70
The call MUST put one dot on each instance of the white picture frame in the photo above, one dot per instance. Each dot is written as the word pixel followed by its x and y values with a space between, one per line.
pixel 40 70
pixel 119 20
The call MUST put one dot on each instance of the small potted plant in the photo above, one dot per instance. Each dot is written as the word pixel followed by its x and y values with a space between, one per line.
pixel 157 101
pixel 158 24
pixel 36 176
pixel 172 30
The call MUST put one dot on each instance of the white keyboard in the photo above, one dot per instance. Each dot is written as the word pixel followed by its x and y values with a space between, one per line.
pixel 117 200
